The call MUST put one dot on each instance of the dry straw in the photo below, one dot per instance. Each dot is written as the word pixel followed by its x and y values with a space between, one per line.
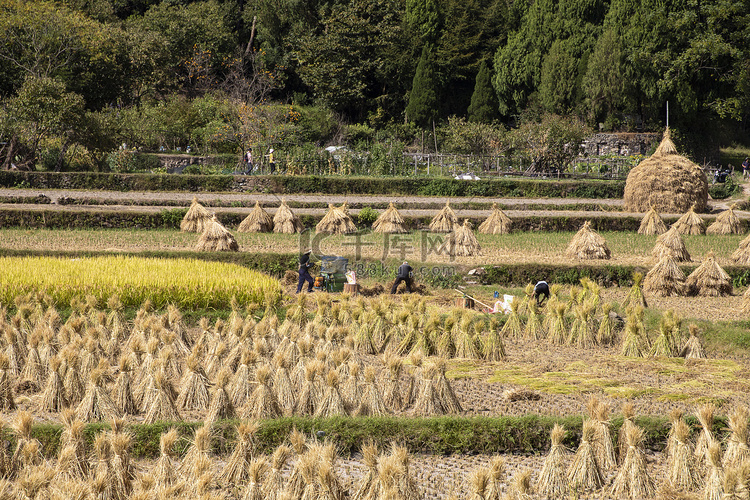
pixel 587 244
pixel 693 348
pixel 714 487
pixel 584 473
pixel 605 452
pixel 96 403
pixel 216 238
pixel 665 279
pixel 737 450
pixel 165 472
pixel 285 221
pixel 633 479
pixel 162 407
pixel 706 419
pixel 552 481
pixel 742 254
pixel 194 387
pixel 479 480
pixel 236 470
pixel 496 223
pixel 709 279
pixel 390 221
pixel 221 407
pixel 257 221
pixel 445 221
pixel 690 223
pixel 628 413
pixel 670 244
pixel 196 218
pixel 53 397
pixel 635 296
pixel 263 402
pixel 683 474
pixel 652 224
pixel 331 404
pixel 336 221
pixel 461 242
pixel 666 181
pixel 726 223
pixel 497 471
pixel 448 399
pixel 371 403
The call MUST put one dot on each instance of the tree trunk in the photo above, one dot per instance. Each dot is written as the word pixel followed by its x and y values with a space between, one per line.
pixel 61 156
pixel 9 155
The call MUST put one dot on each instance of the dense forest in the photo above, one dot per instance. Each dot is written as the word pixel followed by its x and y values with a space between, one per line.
pixel 79 78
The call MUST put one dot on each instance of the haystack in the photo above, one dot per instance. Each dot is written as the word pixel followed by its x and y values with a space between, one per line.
pixel 587 244
pixel 496 223
pixel 216 238
pixel 196 218
pixel 284 220
pixel 670 244
pixel 709 279
pixel 665 279
pixel 584 473
pixel 633 480
pixel 335 221
pixel 726 223
pixel 390 221
pixel 552 482
pixel 682 471
pixel 690 223
pixel 693 348
pixel 461 242
pixel 652 224
pixel 666 181
pixel 445 221
pixel 737 450
pixel 257 221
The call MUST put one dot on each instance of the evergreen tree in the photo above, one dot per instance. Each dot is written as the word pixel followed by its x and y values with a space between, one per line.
pixel 484 105
pixel 423 102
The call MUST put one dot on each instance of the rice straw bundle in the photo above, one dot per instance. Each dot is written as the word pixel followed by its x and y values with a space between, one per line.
pixel 706 419
pixel 331 404
pixel 53 397
pixel 448 400
pixel 122 469
pixel 27 451
pixel 335 221
pixel 584 473
pixel 96 403
pixel 726 223
pixel 496 223
pixel 236 469
pixel 221 407
pixel 392 389
pixel 512 328
pixel 123 392
pixel 257 221
pixel 194 387
pixel 390 222
pixel 682 472
pixel 241 388
pixel 492 346
pixel 652 223
pixel 165 472
pixel 628 412
pixel 479 480
pixel 665 279
pixel 582 332
pixel 445 221
pixel 497 471
pixel 371 403
pixel 670 244
pixel 675 416
pixel 735 483
pixel 552 481
pixel 263 402
pixel 196 218
pixel 690 223
pixel 216 238
pixel 693 348
pixel 605 334
pixel 587 244
pixel 737 450
pixel 663 346
pixel 257 472
pixel 285 222
pixel 198 454
pixel 709 279
pixel 7 402
pixel 741 256
pixel 368 484
pixel 276 481
pixel 605 452
pixel 533 329
pixel 282 385
pixel 557 329
pixel 428 399
pixel 162 407
pixel 461 242
pixel 633 479
pixel 714 487
pixel 635 296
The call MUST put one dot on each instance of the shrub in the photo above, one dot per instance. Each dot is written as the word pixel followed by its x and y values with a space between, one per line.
pixel 367 216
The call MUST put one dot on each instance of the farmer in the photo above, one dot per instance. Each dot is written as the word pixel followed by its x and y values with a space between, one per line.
pixel 404 274
pixel 271 161
pixel 304 274
pixel 249 161
pixel 541 292
pixel 746 168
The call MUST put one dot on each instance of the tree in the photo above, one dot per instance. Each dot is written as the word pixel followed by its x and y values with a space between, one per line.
pixel 423 99
pixel 604 82
pixel 484 105
pixel 423 20
pixel 551 143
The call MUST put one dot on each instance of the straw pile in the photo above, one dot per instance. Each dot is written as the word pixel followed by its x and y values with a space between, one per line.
pixel 584 473
pixel 666 181
pixel 496 223
pixel 552 481
pixel 196 218
pixel 682 471
pixel 742 254
pixel 665 279
pixel 461 242
pixel 216 238
pixel 670 244
pixel 635 296
pixel 693 348
pixel 652 223
pixel 285 222
pixel 587 244
pixel 445 221
pixel 390 222
pixel 706 437
pixel 690 223
pixel 257 221
pixel 726 223
pixel 709 279
pixel 633 478
pixel 737 450
pixel 336 221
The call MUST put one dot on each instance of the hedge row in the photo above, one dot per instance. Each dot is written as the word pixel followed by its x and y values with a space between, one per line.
pixel 435 435
pixel 170 219
pixel 282 184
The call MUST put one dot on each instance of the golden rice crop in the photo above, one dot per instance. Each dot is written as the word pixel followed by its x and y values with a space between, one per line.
pixel 187 283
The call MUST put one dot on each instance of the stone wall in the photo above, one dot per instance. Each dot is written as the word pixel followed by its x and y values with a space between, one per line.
pixel 622 144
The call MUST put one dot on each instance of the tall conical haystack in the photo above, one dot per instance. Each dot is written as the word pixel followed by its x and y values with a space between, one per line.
pixel 196 218
pixel 709 279
pixel 335 221
pixel 552 482
pixel 587 244
pixel 652 223
pixel 496 223
pixel 257 221
pixel 665 279
pixel 726 223
pixel 285 222
pixel 445 221
pixel 390 221
pixel 666 181
pixel 461 242
pixel 216 238
pixel 670 244
pixel 690 223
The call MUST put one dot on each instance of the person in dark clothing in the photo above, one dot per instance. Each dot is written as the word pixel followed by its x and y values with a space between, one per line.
pixel 746 169
pixel 304 274
pixel 403 274
pixel 541 292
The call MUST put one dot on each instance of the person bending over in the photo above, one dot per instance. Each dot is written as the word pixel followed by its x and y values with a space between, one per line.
pixel 403 274
pixel 304 274
pixel 541 292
